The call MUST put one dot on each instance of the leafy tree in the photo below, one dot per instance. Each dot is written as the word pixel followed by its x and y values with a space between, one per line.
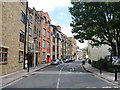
pixel 98 22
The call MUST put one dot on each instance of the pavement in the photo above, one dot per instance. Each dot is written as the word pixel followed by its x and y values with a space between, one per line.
pixel 105 75
pixel 7 79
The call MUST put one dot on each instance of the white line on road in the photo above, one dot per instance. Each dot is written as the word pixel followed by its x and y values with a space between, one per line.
pixel 91 87
pixel 106 87
pixel 82 67
pixel 58 82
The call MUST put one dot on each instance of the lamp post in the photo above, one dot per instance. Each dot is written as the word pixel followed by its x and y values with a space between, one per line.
pixel 34 54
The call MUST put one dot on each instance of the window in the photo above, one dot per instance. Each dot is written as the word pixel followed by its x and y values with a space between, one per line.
pixel 48 45
pixel 30 19
pixel 3 55
pixel 35 17
pixel 21 56
pixel 30 31
pixel 22 36
pixel 34 29
pixel 48 24
pixel 44 20
pixel 29 46
pixel 39 33
pixel 39 44
pixel 43 56
pixel 23 17
pixel 44 44
pixel 44 32
pixel 22 1
pixel 48 35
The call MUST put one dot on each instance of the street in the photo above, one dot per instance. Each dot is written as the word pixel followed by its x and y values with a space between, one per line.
pixel 67 75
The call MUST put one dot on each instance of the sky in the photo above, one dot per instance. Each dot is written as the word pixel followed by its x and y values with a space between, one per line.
pixel 59 14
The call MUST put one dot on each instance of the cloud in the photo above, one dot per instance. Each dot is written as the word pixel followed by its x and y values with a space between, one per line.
pixel 48 5
pixel 82 45
pixel 54 22
pixel 66 30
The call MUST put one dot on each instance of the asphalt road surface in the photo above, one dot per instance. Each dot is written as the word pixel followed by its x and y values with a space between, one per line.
pixel 66 75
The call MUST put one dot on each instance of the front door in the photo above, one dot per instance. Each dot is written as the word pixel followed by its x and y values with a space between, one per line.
pixel 48 59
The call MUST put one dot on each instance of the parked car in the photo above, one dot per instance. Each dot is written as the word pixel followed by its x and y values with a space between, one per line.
pixel 66 60
pixel 61 61
pixel 116 61
pixel 55 62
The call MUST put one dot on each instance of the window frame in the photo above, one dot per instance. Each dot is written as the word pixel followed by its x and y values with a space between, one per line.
pixel 21 57
pixel 44 44
pixel 44 32
pixel 3 55
pixel 30 18
pixel 22 36
pixel 22 18
pixel 30 31
pixel 43 56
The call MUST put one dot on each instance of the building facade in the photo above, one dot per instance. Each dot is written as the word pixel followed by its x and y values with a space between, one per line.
pixel 95 53
pixel 13 36
pixel 56 42
pixel 73 48
pixel 45 55
pixel 33 37
pixel 63 46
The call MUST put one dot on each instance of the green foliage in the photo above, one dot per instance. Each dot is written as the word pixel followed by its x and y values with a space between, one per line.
pixel 105 65
pixel 96 21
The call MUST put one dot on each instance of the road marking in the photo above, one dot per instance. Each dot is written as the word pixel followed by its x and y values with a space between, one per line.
pixel 115 87
pixel 82 67
pixel 56 66
pixel 106 87
pixel 91 87
pixel 58 82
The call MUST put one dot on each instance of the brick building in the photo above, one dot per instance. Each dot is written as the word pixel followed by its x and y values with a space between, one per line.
pixel 45 55
pixel 73 47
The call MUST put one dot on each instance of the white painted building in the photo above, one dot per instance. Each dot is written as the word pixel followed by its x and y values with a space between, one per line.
pixel 96 53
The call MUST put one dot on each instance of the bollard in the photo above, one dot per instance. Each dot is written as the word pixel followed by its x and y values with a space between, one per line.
pixel 115 74
pixel 100 68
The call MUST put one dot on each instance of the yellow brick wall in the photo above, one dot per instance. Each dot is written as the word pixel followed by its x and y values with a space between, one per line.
pixel 11 13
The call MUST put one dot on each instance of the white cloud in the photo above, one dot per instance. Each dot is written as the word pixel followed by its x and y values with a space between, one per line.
pixel 82 45
pixel 66 30
pixel 48 5
pixel 54 22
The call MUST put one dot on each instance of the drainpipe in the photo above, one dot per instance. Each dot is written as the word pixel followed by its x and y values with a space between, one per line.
pixel 25 57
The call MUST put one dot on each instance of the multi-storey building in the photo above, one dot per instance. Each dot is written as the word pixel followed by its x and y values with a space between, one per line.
pixel 63 46
pixel 69 48
pixel 56 42
pixel 73 48
pixel 45 55
pixel 33 37
pixel 13 27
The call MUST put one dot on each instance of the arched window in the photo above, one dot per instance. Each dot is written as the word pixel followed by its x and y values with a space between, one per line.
pixel 44 20
pixel 48 24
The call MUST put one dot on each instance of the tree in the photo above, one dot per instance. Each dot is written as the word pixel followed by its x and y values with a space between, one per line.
pixel 98 22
